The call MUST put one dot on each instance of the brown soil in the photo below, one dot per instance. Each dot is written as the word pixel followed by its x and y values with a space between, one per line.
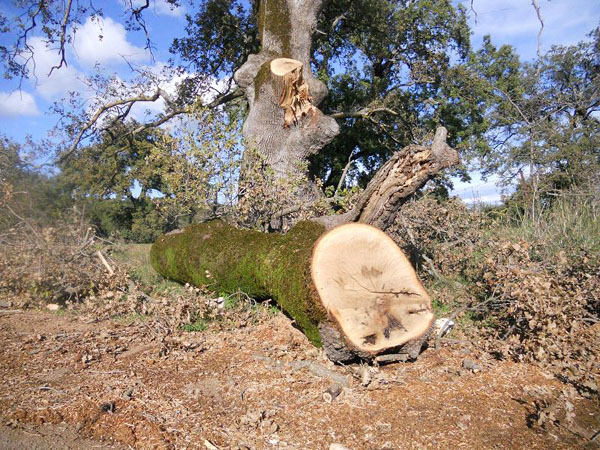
pixel 141 386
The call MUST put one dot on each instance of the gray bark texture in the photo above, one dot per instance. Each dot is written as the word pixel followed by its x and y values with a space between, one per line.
pixel 286 28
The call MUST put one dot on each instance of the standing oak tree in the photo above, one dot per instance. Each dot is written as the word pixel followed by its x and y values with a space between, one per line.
pixel 396 53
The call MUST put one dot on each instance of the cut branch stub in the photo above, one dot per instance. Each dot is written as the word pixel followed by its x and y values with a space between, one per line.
pixel 294 96
pixel 368 286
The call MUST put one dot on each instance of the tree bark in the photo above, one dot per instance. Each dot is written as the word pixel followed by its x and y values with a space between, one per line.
pixel 393 184
pixel 350 289
pixel 286 28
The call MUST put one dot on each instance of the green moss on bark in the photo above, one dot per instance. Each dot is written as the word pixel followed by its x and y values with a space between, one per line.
pixel 263 265
pixel 263 76
pixel 274 17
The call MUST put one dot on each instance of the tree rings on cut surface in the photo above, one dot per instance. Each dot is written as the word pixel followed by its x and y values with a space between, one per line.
pixel 368 286
pixel 283 66
pixel 294 96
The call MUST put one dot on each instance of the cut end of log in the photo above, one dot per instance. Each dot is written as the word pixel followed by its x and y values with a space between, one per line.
pixel 368 286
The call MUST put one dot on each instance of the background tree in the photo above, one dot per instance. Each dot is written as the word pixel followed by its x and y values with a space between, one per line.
pixel 141 185
pixel 540 126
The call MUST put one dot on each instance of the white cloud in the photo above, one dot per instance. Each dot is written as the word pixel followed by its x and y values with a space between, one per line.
pixel 492 199
pixel 17 103
pixel 515 22
pixel 479 190
pixel 104 41
pixel 61 81
pixel 161 7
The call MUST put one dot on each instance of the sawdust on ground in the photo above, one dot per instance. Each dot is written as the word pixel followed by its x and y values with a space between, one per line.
pixel 76 384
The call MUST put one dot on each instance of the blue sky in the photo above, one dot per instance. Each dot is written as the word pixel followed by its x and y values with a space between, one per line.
pixel 24 112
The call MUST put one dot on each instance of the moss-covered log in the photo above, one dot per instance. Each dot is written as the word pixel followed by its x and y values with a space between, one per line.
pixel 227 259
pixel 350 288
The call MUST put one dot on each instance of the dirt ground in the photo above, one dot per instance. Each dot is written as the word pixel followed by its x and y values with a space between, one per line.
pixel 67 383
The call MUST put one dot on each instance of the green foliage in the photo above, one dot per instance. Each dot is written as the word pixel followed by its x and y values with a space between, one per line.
pixel 220 36
pixel 394 56
pixel 569 228
pixel 138 187
pixel 540 118
pixel 197 326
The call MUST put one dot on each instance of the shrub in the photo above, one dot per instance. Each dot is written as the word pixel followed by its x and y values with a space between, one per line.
pixel 540 278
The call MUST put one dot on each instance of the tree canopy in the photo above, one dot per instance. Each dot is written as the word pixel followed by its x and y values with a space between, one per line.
pixel 394 70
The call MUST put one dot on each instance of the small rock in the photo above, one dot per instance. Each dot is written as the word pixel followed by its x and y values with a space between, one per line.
pixel 270 426
pixel 443 326
pixel 108 407
pixel 127 394
pixel 366 377
pixel 469 364
pixel 338 447
pixel 253 418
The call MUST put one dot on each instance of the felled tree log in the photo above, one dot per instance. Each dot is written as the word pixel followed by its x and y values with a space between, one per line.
pixel 350 289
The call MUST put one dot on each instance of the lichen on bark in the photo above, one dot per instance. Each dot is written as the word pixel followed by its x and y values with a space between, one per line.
pixel 262 77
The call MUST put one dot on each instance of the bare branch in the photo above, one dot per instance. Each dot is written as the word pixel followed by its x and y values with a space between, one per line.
pixel 63 35
pixel 536 6
pixel 363 113
pixel 344 173
pixel 102 110
pixel 474 12
pixel 128 104
pixel 139 18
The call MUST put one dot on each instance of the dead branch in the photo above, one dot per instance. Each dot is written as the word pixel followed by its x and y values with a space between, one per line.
pixel 363 113
pixel 99 254
pixel 332 392
pixel 129 102
pixel 63 34
pixel 469 307
pixel 343 177
pixel 536 6
pixel 318 370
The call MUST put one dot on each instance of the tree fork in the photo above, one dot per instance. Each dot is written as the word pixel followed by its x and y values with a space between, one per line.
pixel 350 289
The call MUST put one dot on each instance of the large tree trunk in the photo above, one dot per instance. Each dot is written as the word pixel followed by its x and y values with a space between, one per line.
pixel 350 289
pixel 286 28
